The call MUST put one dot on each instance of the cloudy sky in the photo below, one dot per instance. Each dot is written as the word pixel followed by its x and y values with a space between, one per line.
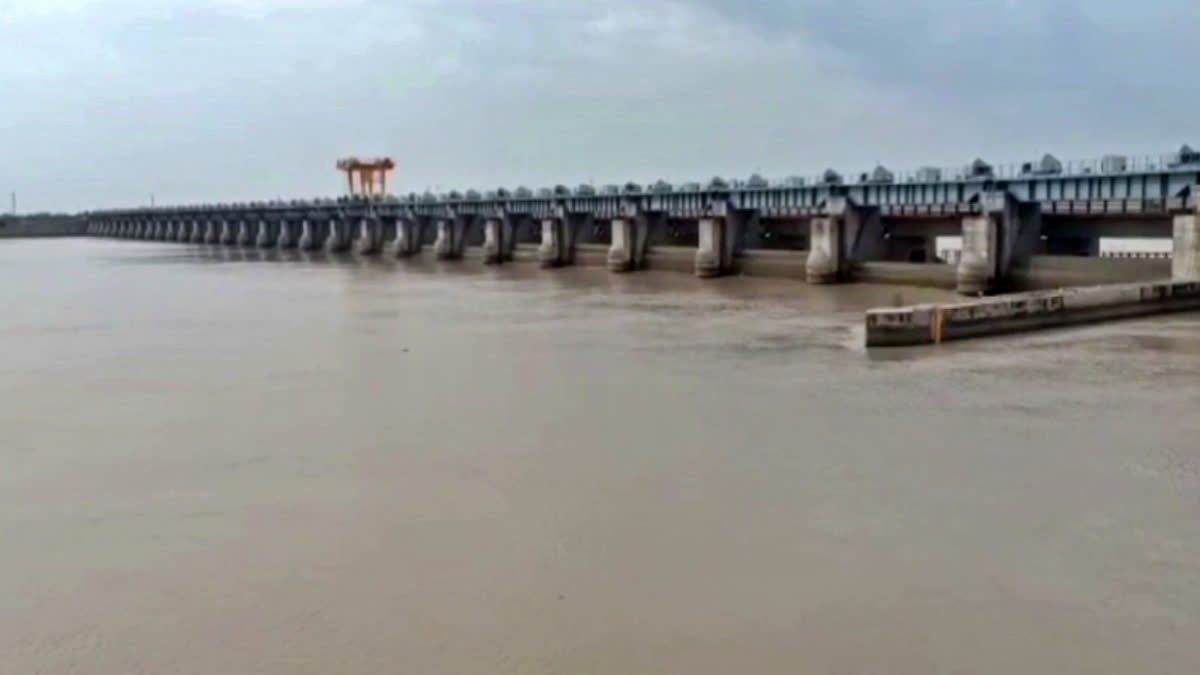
pixel 103 102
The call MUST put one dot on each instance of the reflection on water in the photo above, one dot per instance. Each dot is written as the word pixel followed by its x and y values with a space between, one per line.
pixel 222 460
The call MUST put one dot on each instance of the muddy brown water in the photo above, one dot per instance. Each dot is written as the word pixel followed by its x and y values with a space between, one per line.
pixel 212 462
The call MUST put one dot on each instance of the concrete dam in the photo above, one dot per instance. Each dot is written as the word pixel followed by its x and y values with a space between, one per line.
pixel 1036 226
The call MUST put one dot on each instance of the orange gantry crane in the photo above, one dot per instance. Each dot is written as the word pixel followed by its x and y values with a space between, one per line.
pixel 371 173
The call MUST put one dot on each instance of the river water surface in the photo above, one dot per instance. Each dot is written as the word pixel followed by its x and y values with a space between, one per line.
pixel 213 463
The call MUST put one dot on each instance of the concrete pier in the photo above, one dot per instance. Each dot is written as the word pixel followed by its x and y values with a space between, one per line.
pixel 228 235
pixel 197 232
pixel 338 238
pixel 1185 243
pixel 183 233
pixel 499 239
pixel 842 235
pixel 265 237
pixel 245 234
pixel 1003 234
pixel 560 234
pixel 287 238
pixel 212 232
pixel 631 239
pixel 370 236
pixel 410 233
pixel 312 236
pixel 720 240
pixel 451 237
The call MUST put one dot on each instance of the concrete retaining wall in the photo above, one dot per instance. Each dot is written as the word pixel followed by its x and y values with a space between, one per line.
pixel 933 324
pixel 41 226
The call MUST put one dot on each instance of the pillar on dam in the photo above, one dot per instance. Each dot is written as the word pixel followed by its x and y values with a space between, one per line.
pixel 499 239
pixel 1003 234
pixel 370 236
pixel 287 237
pixel 183 233
pixel 266 236
pixel 312 235
pixel 631 239
pixel 169 231
pixel 842 234
pixel 197 232
pixel 244 235
pixel 228 234
pixel 212 231
pixel 338 238
pixel 410 235
pixel 720 233
pixel 559 236
pixel 1185 238
pixel 451 237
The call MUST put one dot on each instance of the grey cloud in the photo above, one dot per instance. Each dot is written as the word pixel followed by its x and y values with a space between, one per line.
pixel 197 103
pixel 1083 71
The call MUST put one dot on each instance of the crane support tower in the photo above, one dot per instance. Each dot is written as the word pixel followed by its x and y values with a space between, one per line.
pixel 371 173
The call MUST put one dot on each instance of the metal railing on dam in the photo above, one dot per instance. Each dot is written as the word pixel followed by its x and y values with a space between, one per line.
pixel 1004 217
pixel 1095 186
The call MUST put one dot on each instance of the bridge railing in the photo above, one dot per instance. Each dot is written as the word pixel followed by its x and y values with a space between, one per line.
pixel 1107 166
